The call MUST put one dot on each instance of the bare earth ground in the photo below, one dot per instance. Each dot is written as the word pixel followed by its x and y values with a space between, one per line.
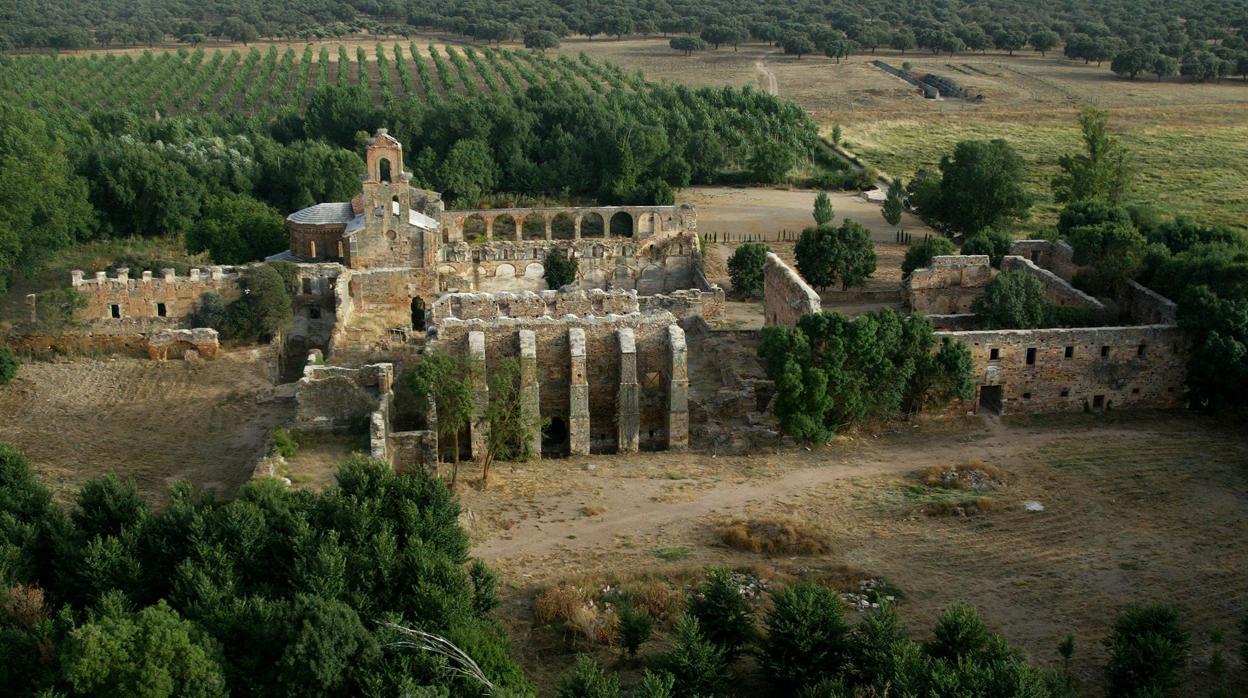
pixel 1146 507
pixel 156 423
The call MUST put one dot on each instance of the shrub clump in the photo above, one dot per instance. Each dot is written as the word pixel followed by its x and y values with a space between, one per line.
pixel 8 365
pixel 772 537
pixel 975 475
pixel 745 268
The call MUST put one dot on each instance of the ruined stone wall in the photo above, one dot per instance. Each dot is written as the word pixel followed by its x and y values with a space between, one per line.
pixel 567 223
pixel 150 301
pixel 786 296
pixel 336 398
pixel 1056 289
pixel 1055 370
pixel 1145 306
pixel 1056 256
pixel 606 379
pixel 949 286
pixel 656 265
pixel 526 304
pixel 382 298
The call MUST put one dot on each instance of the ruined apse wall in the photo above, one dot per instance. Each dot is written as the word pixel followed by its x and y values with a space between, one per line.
pixel 786 296
pixel 614 383
pixel 149 301
pixel 1056 370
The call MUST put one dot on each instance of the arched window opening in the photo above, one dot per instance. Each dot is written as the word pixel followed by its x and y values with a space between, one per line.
pixel 505 227
pixel 592 226
pixel 535 227
pixel 418 315
pixel 622 225
pixel 383 169
pixel 563 227
pixel 474 228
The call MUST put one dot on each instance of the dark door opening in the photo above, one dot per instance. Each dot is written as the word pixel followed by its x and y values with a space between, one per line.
pixel 555 438
pixel 418 315
pixel 990 399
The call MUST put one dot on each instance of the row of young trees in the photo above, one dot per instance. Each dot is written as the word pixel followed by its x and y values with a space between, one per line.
pixel 805 647
pixel 275 592
pixel 226 181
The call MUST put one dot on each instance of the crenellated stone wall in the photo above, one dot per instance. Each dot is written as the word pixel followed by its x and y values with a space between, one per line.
pixel 150 300
pixel 1056 370
pixel 786 295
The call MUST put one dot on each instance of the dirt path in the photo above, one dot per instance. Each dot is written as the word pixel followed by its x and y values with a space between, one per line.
pixel 770 83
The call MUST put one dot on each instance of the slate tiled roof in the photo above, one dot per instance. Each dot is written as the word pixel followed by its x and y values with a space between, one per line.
pixel 337 213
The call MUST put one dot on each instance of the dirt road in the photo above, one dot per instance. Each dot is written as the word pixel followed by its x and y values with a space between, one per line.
pixel 770 83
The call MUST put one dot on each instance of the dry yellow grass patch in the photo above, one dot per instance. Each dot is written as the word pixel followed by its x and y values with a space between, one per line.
pixel 772 537
pixel 972 475
pixel 575 608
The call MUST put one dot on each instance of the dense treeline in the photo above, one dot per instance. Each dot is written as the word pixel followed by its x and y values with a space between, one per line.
pixel 276 592
pixel 1200 39
pixel 94 153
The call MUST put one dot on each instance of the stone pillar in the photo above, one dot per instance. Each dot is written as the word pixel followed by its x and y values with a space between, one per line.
pixel 628 409
pixel 578 398
pixel 576 227
pixel 547 220
pixel 167 275
pixel 489 228
pixel 32 301
pixel 75 278
pixel 530 389
pixel 123 275
pixel 677 389
pixel 480 426
pixel 519 227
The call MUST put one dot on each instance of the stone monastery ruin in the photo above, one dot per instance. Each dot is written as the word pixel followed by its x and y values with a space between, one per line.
pixel 605 361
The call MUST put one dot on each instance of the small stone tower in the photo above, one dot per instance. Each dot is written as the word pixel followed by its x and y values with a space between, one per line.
pixel 387 191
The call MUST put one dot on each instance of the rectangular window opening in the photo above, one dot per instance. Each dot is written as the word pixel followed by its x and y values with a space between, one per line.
pixel 161 310
pixel 1135 391
pixel 307 285
pixel 1031 356
pixel 1139 351
pixel 314 313
pixel 1026 396
pixel 1098 401
pixel 994 354
pixel 1065 392
pixel 116 311
pixel 1070 352
pixel 1104 351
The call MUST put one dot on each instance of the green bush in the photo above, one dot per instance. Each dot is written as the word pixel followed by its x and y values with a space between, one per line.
pixel 745 268
pixel 210 311
pixel 656 685
pixel 994 243
pixel 807 641
pixel 697 664
pixel 635 628
pixel 723 615
pixel 284 443
pixel 920 255
pixel 588 680
pixel 960 632
pixel 1013 300
pixel 560 269
pixel 1148 650
pixel 8 365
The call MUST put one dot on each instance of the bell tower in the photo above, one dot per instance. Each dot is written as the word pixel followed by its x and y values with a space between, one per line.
pixel 387 192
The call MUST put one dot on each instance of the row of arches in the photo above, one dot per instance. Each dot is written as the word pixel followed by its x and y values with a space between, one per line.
pixel 565 225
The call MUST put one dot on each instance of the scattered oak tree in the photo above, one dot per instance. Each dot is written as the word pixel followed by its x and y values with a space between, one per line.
pixel 920 255
pixel 745 268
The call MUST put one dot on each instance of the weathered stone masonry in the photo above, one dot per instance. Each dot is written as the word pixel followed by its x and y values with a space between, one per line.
pixel 786 295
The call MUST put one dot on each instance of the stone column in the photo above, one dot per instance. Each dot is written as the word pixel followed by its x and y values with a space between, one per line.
pixel 628 409
pixel 578 398
pixel 576 227
pixel 677 389
pixel 480 427
pixel 530 390
pixel 489 227
pixel 547 220
pixel 519 227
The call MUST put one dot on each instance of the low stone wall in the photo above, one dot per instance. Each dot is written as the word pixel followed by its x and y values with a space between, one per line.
pixel 786 295
pixel 1056 289
pixel 526 304
pixel 949 286
pixel 1146 306
pixel 1055 370
pixel 1056 256
pixel 410 450
pixel 202 340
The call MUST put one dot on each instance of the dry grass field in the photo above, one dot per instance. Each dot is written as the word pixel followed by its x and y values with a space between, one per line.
pixel 1144 507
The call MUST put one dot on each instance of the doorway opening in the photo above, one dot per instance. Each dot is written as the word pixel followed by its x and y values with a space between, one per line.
pixel 990 399
pixel 555 438
pixel 418 315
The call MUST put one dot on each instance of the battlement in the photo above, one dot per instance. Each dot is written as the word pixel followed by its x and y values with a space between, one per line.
pixel 149 298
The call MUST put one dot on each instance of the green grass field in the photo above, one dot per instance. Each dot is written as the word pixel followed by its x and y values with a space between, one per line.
pixel 1201 172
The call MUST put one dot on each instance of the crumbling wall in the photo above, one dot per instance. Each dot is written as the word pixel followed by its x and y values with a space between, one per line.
pixel 202 340
pixel 786 295
pixel 606 379
pixel 1056 289
pixel 1055 370
pixel 949 286
pixel 526 304
pixel 1145 306
pixel 1054 255
pixel 339 398
pixel 150 301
